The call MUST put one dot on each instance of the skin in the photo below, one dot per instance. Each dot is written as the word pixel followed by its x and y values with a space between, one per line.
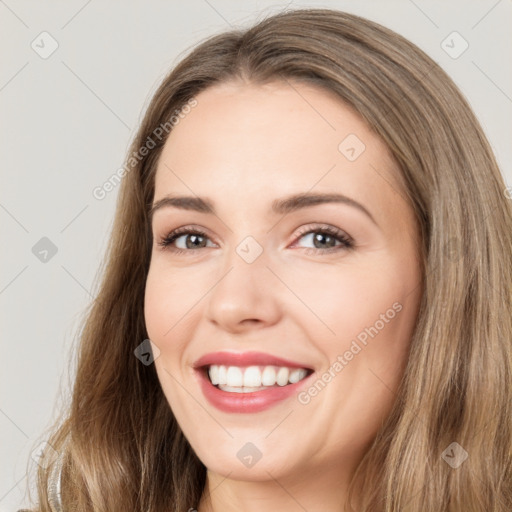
pixel 243 146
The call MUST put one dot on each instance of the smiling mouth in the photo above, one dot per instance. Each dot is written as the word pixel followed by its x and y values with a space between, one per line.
pixel 249 379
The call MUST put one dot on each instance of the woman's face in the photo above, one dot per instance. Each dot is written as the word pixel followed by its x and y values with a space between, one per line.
pixel 272 273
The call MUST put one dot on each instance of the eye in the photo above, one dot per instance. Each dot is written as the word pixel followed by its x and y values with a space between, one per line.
pixel 190 239
pixel 325 239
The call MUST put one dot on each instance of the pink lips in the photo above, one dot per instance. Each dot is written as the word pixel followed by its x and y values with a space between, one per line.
pixel 245 359
pixel 246 402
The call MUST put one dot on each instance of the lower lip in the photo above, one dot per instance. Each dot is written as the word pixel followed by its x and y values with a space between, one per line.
pixel 256 401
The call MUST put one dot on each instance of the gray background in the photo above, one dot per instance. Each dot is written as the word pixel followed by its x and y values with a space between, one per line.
pixel 66 124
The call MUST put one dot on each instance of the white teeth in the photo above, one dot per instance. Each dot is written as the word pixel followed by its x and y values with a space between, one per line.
pixel 269 376
pixel 214 374
pixel 282 376
pixel 243 389
pixel 223 375
pixel 296 375
pixel 254 376
pixel 235 376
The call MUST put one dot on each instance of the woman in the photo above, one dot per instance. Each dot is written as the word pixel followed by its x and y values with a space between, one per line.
pixel 367 370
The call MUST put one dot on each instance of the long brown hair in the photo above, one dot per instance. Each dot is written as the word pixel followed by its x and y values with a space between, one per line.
pixel 120 446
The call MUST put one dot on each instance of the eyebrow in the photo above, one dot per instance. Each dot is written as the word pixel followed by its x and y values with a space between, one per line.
pixel 279 206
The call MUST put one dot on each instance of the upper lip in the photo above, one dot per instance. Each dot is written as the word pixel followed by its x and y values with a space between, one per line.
pixel 246 359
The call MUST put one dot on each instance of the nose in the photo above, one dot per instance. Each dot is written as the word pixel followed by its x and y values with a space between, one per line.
pixel 245 297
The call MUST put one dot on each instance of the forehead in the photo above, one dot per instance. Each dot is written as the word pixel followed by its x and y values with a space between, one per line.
pixel 250 143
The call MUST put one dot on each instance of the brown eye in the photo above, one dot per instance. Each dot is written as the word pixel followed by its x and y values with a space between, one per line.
pixel 192 241
pixel 326 239
pixel 183 239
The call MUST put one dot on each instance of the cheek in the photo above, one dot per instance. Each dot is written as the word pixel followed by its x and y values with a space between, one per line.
pixel 160 300
pixel 168 297
pixel 155 305
pixel 347 299
pixel 373 306
pixel 172 310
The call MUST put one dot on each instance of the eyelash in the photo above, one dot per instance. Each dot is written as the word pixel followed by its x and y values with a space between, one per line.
pixel 346 242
